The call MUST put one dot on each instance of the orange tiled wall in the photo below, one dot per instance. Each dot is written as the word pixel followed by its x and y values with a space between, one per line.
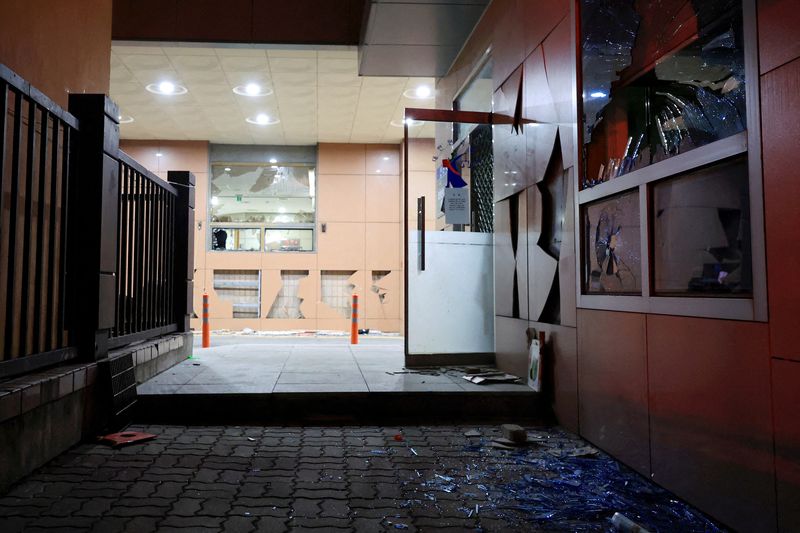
pixel 359 199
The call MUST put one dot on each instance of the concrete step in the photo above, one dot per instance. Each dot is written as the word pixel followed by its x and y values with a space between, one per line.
pixel 344 408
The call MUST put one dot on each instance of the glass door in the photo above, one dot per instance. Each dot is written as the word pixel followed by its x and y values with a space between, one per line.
pixel 448 192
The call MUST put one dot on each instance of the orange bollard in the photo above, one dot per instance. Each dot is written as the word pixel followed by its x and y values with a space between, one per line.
pixel 354 322
pixel 206 327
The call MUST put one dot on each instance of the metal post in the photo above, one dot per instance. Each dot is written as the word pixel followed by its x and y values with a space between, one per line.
pixel 206 325
pixel 183 249
pixel 354 321
pixel 92 225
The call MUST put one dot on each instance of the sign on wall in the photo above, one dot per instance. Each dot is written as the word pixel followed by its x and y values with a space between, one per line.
pixel 456 206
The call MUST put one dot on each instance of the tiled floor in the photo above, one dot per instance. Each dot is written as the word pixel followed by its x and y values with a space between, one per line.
pixel 248 364
pixel 349 479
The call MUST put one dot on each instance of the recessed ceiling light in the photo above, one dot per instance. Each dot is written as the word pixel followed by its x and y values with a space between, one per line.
pixel 411 123
pixel 598 94
pixel 167 88
pixel 386 158
pixel 125 119
pixel 252 89
pixel 227 169
pixel 378 171
pixel 159 154
pixel 262 119
pixel 214 200
pixel 422 92
pixel 281 209
pixel 273 160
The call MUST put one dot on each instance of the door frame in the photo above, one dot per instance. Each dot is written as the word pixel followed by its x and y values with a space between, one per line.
pixel 446 116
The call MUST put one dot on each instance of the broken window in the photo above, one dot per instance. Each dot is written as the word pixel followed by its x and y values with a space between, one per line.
pixel 701 232
pixel 612 235
pixel 242 288
pixel 660 78
pixel 337 290
pixel 280 199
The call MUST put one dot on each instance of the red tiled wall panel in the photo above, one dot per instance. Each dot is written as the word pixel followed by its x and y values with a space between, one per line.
pixel 786 406
pixel 612 373
pixel 780 110
pixel 778 35
pixel 710 418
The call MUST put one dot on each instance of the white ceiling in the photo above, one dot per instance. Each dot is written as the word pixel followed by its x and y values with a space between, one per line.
pixel 318 95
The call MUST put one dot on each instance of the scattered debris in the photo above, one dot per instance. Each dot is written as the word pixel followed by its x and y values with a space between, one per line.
pixel 474 370
pixel 363 331
pixel 472 433
pixel 421 372
pixel 491 377
pixel 626 525
pixel 123 438
pixel 585 452
pixel 507 445
pixel 251 439
pixel 301 333
pixel 514 433
pixel 399 437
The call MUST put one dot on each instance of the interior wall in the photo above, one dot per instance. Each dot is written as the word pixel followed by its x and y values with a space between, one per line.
pixel 358 200
pixel 59 47
pixel 693 403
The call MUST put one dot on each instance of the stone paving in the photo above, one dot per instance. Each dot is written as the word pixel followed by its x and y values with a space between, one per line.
pixel 273 479
pixel 251 364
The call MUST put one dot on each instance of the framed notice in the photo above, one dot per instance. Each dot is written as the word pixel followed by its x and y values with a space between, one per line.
pixel 456 205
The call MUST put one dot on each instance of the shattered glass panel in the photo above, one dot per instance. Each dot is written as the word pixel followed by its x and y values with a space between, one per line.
pixel 701 233
pixel 287 302
pixel 239 239
pixel 288 240
pixel 252 193
pixel 612 257
pixel 337 290
pixel 660 77
pixel 242 288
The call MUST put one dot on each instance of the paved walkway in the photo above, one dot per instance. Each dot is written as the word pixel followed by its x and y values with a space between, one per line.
pixel 251 364
pixel 242 479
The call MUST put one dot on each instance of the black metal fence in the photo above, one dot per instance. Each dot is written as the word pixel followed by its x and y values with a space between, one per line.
pixel 35 137
pixel 145 262
pixel 95 250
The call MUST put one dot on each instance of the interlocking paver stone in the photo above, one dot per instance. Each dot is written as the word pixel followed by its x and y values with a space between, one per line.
pixel 244 479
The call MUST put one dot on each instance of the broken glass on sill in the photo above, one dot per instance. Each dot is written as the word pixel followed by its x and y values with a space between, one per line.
pixel 659 78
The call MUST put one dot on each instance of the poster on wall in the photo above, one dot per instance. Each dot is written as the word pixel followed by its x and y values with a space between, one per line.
pixel 441 184
pixel 456 206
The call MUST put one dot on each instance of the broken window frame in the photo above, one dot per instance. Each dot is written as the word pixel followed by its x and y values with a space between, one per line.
pixel 748 142
pixel 278 227
pixel 262 226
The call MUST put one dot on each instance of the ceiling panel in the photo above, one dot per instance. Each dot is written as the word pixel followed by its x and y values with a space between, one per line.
pixel 318 95
pixel 416 38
